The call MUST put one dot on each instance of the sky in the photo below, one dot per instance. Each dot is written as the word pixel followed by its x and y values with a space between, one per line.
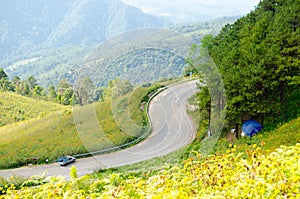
pixel 188 9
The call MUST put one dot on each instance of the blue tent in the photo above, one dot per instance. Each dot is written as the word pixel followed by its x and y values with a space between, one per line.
pixel 250 128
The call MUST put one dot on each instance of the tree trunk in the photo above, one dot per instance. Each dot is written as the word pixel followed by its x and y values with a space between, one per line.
pixel 209 120
pixel 262 119
pixel 237 130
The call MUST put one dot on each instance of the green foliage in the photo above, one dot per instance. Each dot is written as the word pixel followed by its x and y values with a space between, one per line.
pixel 32 82
pixel 258 59
pixel 84 91
pixel 5 84
pixel 28 87
pixel 13 181
pixel 73 173
pixel 3 74
pixel 194 177
pixel 117 88
pixel 52 95
pixel 275 175
pixel 65 92
pixel 287 134
pixel 199 30
pixel 189 70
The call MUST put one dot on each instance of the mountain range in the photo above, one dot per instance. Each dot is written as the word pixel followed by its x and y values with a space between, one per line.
pixel 31 24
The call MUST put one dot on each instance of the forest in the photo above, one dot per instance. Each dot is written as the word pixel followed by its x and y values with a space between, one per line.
pixel 258 58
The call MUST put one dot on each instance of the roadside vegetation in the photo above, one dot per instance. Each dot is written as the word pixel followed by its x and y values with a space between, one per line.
pixel 286 135
pixel 270 175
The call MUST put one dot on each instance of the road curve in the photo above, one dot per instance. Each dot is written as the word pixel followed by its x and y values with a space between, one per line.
pixel 171 130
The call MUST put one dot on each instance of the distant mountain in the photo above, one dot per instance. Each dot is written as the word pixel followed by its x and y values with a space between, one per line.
pixel 51 64
pixel 28 25
pixel 25 24
pixel 93 21
pixel 193 11
pixel 51 40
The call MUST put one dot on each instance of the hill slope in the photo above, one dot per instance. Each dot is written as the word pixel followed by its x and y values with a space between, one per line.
pixel 64 131
pixel 15 108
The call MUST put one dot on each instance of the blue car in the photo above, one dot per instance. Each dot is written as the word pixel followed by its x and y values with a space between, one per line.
pixel 64 161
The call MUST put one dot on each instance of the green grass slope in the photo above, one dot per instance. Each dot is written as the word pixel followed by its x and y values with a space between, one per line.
pixel 56 134
pixel 15 108
pixel 288 134
pixel 73 131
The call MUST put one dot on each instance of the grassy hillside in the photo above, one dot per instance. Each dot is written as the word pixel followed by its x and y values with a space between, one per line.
pixel 15 108
pixel 287 134
pixel 263 167
pixel 56 134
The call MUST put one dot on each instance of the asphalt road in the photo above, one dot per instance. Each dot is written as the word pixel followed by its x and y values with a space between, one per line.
pixel 171 129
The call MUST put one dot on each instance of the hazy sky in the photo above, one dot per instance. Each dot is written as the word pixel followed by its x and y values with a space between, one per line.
pixel 181 7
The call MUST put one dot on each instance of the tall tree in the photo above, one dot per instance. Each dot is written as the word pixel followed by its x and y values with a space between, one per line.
pixel 5 84
pixel 84 90
pixel 3 74
pixel 16 81
pixel 52 95
pixel 38 91
pixel 64 92
pixel 32 82
pixel 118 87
pixel 23 89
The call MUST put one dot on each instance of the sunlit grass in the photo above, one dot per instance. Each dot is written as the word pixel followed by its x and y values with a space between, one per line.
pixel 15 108
pixel 70 131
pixel 288 134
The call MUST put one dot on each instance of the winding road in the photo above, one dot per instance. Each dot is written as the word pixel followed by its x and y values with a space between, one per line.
pixel 171 129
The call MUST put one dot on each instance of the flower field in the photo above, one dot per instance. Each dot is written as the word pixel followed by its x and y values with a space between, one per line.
pixel 275 175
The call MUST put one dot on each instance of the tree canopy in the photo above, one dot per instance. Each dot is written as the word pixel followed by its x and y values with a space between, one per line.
pixel 259 58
